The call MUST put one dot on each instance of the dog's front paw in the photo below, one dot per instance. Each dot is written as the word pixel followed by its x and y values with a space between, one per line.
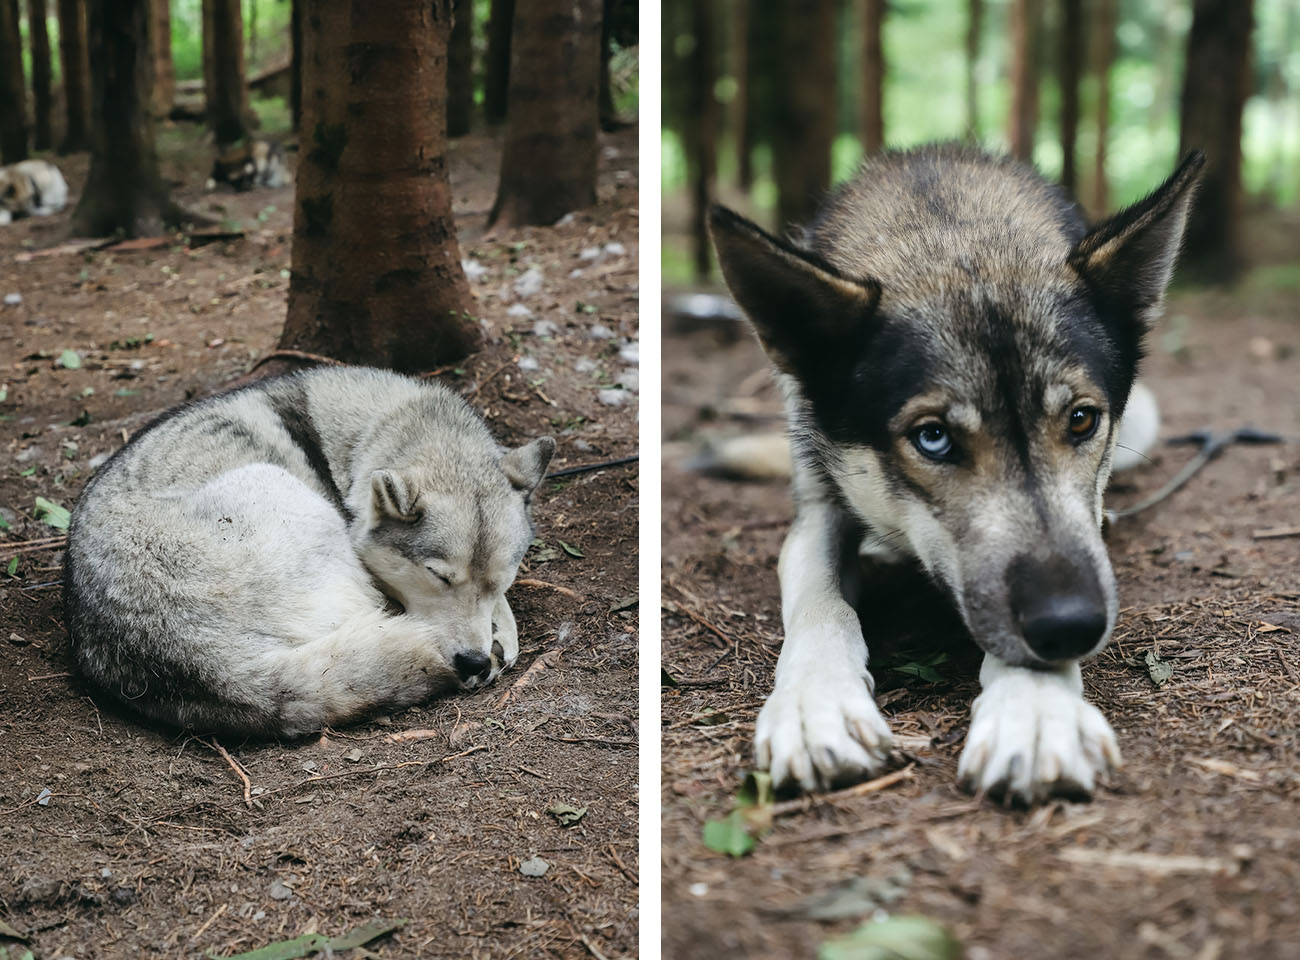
pixel 1031 737
pixel 821 728
pixel 505 636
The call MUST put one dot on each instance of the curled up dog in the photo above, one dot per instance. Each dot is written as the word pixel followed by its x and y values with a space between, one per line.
pixel 32 188
pixel 957 349
pixel 301 552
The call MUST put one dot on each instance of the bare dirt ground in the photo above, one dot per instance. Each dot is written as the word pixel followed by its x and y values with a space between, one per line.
pixel 1212 757
pixel 144 845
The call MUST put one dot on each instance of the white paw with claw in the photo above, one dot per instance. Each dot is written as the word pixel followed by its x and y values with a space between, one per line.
pixel 505 637
pixel 1032 736
pixel 821 727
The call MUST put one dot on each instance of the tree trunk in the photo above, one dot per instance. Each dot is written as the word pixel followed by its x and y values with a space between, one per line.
pixel 460 70
pixel 701 140
pixel 549 159
pixel 42 100
pixel 1215 84
pixel 376 266
pixel 873 77
pixel 1104 59
pixel 1025 17
pixel 608 115
pixel 226 94
pixel 295 63
pixel 123 191
pixel 1071 67
pixel 74 61
pixel 164 74
pixel 252 30
pixel 496 72
pixel 741 133
pixel 13 91
pixel 805 108
pixel 974 25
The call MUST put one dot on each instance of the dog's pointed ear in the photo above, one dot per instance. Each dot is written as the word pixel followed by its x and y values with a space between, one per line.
pixel 796 302
pixel 1128 259
pixel 391 495
pixel 525 466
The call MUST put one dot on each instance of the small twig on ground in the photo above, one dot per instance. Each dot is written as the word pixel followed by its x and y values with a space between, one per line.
pixel 623 867
pixel 239 771
pixel 591 947
pixel 536 667
pixel 36 544
pixel 463 753
pixel 47 676
pixel 210 921
pixel 529 582
pixel 673 606
pixel 1275 532
pixel 347 773
pixel 488 379
pixel 803 804
pixel 297 355
pixel 602 740
pixel 1153 863
pixel 405 735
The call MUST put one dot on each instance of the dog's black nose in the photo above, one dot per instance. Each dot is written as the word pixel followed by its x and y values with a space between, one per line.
pixel 1059 606
pixel 471 665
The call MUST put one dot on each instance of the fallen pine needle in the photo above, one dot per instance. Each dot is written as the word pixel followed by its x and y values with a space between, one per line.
pixel 537 666
pixel 210 921
pixel 1225 768
pixel 1155 863
pixel 239 771
pixel 862 789
pixel 405 735
pixel 464 753
pixel 529 582
pixel 1276 532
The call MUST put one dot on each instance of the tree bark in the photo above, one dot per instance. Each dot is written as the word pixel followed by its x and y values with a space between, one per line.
pixel 974 25
pixel 741 133
pixel 295 63
pixel 13 90
pixel 549 159
pixel 873 77
pixel 460 70
pixel 376 266
pixel 1025 17
pixel 608 115
pixel 1215 84
pixel 496 73
pixel 1071 67
pixel 805 108
pixel 42 100
pixel 123 191
pixel 226 93
pixel 74 61
pixel 164 73
pixel 1104 59
pixel 701 141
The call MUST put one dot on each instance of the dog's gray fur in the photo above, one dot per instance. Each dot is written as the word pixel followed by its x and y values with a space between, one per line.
pixel 31 188
pixel 256 162
pixel 947 297
pixel 300 552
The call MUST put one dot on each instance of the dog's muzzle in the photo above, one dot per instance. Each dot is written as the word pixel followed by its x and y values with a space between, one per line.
pixel 1059 606
pixel 472 668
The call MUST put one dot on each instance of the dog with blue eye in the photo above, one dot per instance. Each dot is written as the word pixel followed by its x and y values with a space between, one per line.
pixel 958 349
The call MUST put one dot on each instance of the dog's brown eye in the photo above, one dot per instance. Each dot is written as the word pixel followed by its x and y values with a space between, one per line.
pixel 1083 422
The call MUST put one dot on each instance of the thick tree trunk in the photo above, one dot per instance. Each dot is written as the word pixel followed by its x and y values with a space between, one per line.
pixel 701 141
pixel 974 26
pixel 1071 67
pixel 295 63
pixel 1103 60
pixel 42 100
pixel 74 61
pixel 226 92
pixel 123 191
pixel 164 74
pixel 1025 18
pixel 13 91
pixel 805 108
pixel 496 72
pixel 741 134
pixel 460 70
pixel 1215 84
pixel 608 115
pixel 376 266
pixel 872 121
pixel 549 160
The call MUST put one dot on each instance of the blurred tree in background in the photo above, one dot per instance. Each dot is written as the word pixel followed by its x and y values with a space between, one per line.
pixel 1103 95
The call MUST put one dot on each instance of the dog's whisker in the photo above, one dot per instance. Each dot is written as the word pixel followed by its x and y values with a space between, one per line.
pixel 1125 446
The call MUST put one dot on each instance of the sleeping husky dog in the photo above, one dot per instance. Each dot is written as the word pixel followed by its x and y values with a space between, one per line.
pixel 253 163
pixel 31 188
pixel 301 552
pixel 956 347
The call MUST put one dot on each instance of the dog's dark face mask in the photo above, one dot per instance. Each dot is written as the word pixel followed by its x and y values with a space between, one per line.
pixel 973 423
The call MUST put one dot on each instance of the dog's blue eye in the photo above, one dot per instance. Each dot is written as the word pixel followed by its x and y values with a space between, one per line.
pixel 933 440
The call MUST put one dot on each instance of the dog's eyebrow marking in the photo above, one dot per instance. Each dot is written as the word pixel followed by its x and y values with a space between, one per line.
pixel 966 416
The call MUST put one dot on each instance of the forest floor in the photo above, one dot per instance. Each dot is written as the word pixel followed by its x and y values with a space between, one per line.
pixel 1191 851
pixel 117 840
